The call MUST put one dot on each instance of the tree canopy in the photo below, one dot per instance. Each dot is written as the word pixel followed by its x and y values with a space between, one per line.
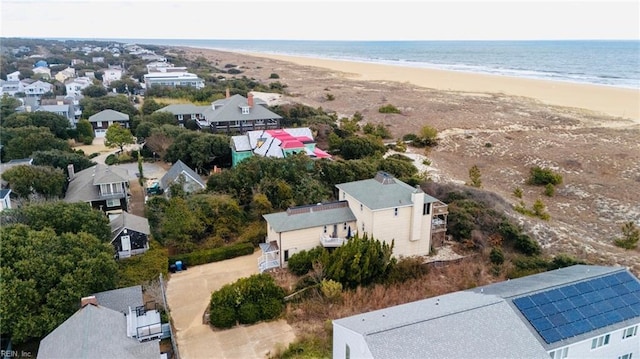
pixel 61 159
pixel 26 180
pixel 21 142
pixel 91 106
pixel 118 136
pixel 57 124
pixel 44 276
pixel 198 150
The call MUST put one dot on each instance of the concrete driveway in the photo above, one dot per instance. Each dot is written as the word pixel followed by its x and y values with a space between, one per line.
pixel 188 295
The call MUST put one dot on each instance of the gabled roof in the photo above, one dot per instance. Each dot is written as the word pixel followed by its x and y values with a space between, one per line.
pixel 230 109
pixel 109 115
pixel 129 221
pixel 95 332
pixel 487 322
pixel 5 192
pixel 383 191
pixel 121 299
pixel 84 185
pixel 183 109
pixel 175 171
pixel 310 216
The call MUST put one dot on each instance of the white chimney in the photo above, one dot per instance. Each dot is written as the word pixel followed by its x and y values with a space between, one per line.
pixel 71 171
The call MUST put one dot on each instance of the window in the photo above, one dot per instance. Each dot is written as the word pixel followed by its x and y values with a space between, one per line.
pixel 600 341
pixel 113 202
pixel 360 207
pixel 363 226
pixel 626 356
pixel 559 353
pixel 347 352
pixel 344 195
pixel 630 332
pixel 395 212
pixel 325 229
pixel 286 255
pixel 426 209
pixel 344 226
pixel 99 124
pixel 193 116
pixel 245 110
pixel 179 117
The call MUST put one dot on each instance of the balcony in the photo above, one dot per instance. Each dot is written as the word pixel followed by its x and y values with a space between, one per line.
pixel 440 208
pixel 438 225
pixel 270 256
pixel 329 241
pixel 132 252
pixel 144 324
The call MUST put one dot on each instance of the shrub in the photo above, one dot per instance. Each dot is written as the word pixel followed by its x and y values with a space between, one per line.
pixel 407 268
pixel 248 313
pixel 474 177
pixel 388 109
pixel 630 236
pixel 112 159
pixel 302 262
pixel 329 97
pixel 539 210
pixel 213 255
pixel 549 190
pixel 271 308
pixel 517 192
pixel 274 76
pixel 222 317
pixel 520 241
pixel 496 256
pixel 541 177
pixel 331 289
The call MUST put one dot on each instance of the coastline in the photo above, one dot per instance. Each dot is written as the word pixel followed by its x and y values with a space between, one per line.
pixel 600 99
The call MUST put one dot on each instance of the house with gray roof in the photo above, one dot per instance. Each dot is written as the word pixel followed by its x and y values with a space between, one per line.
pixel 303 228
pixel 185 111
pixel 582 311
pixel 239 114
pixel 129 235
pixel 382 207
pixel 180 173
pixel 105 188
pixel 103 119
pixel 121 299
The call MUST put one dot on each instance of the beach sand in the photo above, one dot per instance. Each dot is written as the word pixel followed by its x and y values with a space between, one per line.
pixel 613 101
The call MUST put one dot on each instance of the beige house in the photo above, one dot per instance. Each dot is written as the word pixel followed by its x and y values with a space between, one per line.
pixel 383 207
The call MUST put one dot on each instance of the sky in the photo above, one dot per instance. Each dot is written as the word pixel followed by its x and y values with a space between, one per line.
pixel 321 20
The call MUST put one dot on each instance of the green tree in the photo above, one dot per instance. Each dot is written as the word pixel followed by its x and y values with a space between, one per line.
pixel 57 124
pixel 44 275
pixel 630 236
pixel 543 176
pixel 361 147
pixel 161 118
pixel 8 105
pixel 360 261
pixel 474 177
pixel 95 91
pixel 428 137
pixel 61 159
pixel 62 217
pixel 21 142
pixel 85 132
pixel 398 168
pixel 144 128
pixel 150 106
pixel 121 103
pixel 27 180
pixel 118 136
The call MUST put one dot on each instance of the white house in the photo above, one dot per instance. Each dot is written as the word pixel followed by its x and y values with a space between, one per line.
pixel 383 207
pixel 75 86
pixel 581 311
pixel 14 76
pixel 10 88
pixel 42 72
pixel 113 73
pixel 172 77
pixel 180 173
pixel 65 74
pixel 38 88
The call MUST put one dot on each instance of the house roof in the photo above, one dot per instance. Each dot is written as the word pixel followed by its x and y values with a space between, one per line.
pixel 230 109
pixel 121 299
pixel 176 170
pixel 5 192
pixel 183 109
pixel 382 191
pixel 310 216
pixel 95 332
pixel 486 322
pixel 129 221
pixel 109 115
pixel 53 108
pixel 84 185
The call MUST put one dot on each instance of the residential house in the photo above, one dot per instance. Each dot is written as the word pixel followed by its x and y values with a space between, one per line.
pixel 41 63
pixel 14 76
pixel 111 324
pixel 129 235
pixel 105 118
pixel 75 62
pixel 97 59
pixel 5 199
pixel 60 108
pixel 304 228
pixel 65 74
pixel 105 188
pixel 239 114
pixel 184 112
pixel 113 73
pixel 12 163
pixel 383 207
pixel 11 88
pixel 42 72
pixel 38 88
pixel 172 78
pixel 75 86
pixel 181 173
pixel 69 106
pixel 275 143
pixel 582 311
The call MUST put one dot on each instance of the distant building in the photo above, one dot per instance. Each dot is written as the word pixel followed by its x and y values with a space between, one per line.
pixel 239 114
pixel 113 73
pixel 105 188
pixel 42 72
pixel 65 74
pixel 172 77
pixel 129 235
pixel 103 119
pixel 38 88
pixel 582 311
pixel 41 63
pixel 14 76
pixel 180 173
pixel 75 86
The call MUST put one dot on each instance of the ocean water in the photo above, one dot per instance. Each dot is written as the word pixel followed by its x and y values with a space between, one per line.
pixel 601 62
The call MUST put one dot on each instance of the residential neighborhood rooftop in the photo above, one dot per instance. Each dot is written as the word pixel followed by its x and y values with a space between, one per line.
pixel 310 216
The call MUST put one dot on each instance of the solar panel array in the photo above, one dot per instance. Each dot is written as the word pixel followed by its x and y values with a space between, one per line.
pixel 578 308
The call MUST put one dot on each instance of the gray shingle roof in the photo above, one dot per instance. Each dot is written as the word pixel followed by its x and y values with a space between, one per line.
pixel 109 115
pixel 4 192
pixel 84 186
pixel 183 109
pixel 231 110
pixel 95 332
pixel 121 299
pixel 129 221
pixel 176 170
pixel 381 192
pixel 310 216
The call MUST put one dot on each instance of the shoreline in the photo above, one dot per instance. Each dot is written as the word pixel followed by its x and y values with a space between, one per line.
pixel 600 99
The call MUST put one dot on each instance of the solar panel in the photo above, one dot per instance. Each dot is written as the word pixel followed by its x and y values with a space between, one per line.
pixel 575 309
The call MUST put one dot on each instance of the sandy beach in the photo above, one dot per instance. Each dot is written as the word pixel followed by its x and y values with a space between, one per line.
pixel 612 101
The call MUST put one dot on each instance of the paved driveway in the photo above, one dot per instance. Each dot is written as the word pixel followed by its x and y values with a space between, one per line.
pixel 188 295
